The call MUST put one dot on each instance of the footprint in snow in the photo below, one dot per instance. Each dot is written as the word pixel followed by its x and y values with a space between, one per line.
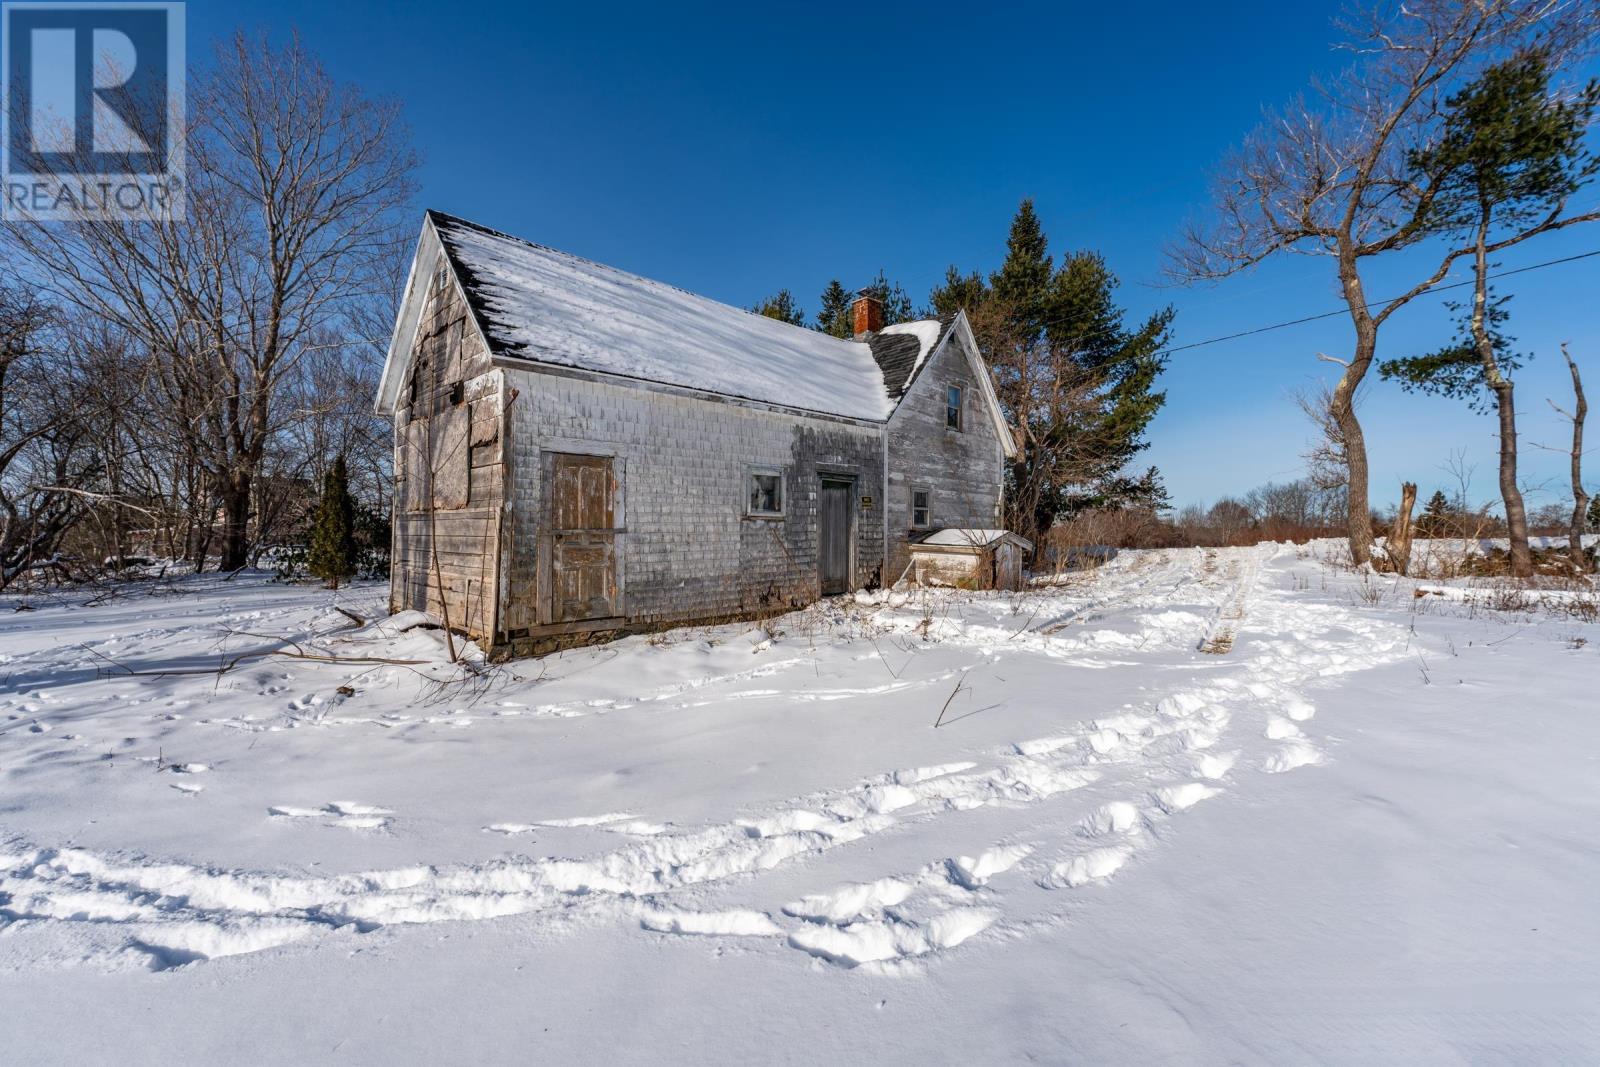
pixel 342 813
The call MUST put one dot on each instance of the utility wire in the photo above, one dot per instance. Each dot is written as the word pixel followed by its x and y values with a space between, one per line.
pixel 1117 332
pixel 1371 305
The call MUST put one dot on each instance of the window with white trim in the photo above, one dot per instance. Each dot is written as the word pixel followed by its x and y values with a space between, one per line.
pixel 921 508
pixel 765 488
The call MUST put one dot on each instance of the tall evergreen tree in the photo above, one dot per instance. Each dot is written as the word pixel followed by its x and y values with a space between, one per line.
pixel 1076 382
pixel 1023 282
pixel 960 292
pixel 833 317
pixel 332 556
pixel 781 306
pixel 1594 513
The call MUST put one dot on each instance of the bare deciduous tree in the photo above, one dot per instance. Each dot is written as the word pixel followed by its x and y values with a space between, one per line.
pixel 295 182
pixel 1580 499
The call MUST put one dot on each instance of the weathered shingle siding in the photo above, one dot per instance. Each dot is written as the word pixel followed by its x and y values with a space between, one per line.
pixel 689 552
pixel 962 470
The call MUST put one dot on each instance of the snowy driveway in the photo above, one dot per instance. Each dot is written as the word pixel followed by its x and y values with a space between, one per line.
pixel 781 795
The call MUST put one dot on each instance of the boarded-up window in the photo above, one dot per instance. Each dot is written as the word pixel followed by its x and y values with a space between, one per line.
pixel 452 468
pixel 484 445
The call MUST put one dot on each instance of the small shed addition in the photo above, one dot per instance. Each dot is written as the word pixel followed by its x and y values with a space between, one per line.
pixel 972 559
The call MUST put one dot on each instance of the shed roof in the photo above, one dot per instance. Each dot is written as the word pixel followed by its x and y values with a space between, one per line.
pixel 957 537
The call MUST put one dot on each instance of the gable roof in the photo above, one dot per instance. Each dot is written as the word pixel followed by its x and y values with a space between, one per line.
pixel 539 304
pixel 902 349
pixel 534 303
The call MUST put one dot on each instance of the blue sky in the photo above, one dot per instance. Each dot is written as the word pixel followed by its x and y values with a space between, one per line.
pixel 736 151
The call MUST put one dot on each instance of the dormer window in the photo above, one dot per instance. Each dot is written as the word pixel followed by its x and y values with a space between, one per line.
pixel 952 408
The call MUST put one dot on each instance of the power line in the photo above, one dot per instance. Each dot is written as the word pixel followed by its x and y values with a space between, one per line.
pixel 1118 332
pixel 1370 306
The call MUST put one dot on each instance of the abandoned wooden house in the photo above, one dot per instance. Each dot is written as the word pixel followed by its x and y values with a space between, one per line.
pixel 581 452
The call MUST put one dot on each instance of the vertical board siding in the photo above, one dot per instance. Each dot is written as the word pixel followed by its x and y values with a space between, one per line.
pixel 449 458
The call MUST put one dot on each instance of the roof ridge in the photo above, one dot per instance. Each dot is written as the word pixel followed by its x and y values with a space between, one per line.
pixel 492 232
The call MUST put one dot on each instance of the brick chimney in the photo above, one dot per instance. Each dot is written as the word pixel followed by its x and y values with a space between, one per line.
pixel 867 313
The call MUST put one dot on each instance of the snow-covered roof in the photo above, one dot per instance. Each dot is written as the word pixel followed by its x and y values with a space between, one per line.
pixel 903 348
pixel 956 537
pixel 540 304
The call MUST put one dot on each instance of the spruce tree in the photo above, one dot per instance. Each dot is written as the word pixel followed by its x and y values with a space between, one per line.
pixel 332 556
pixel 837 318
pixel 781 306
pixel 1435 518
pixel 1594 513
pixel 833 317
pixel 960 292
pixel 1079 385
pixel 1023 281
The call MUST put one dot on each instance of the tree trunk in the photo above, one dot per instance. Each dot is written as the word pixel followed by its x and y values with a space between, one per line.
pixel 1358 521
pixel 1505 405
pixel 1580 499
pixel 1516 511
pixel 1343 408
pixel 1400 537
pixel 235 493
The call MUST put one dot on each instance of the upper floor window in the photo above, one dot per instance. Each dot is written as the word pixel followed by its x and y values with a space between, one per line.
pixel 952 407
pixel 766 492
pixel 921 512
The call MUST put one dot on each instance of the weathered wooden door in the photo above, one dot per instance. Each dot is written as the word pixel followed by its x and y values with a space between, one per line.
pixel 833 537
pixel 582 531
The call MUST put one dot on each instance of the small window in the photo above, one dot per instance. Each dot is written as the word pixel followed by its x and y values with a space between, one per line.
pixel 952 407
pixel 921 513
pixel 766 492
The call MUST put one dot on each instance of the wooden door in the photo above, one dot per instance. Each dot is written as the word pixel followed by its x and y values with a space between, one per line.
pixel 582 531
pixel 833 537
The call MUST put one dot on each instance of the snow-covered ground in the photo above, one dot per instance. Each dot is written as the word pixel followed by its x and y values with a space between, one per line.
pixel 1199 806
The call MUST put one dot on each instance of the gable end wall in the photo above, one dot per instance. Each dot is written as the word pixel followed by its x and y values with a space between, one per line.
pixel 962 470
